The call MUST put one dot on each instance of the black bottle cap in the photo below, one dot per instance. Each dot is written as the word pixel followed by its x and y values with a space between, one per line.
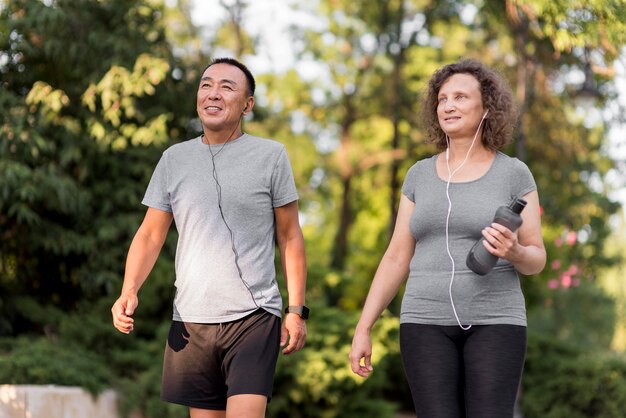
pixel 517 205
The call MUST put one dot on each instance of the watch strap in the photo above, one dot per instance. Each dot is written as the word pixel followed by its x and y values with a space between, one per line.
pixel 301 310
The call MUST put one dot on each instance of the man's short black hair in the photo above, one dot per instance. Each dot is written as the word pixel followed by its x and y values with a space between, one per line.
pixel 243 68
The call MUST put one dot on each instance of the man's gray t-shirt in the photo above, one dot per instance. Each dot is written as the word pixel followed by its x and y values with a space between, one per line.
pixel 495 298
pixel 254 177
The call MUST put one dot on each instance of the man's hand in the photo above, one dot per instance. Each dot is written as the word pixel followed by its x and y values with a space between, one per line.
pixel 294 331
pixel 122 312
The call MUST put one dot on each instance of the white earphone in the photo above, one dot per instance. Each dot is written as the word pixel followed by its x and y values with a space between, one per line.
pixel 450 174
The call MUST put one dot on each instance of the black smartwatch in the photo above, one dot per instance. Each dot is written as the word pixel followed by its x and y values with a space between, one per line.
pixel 301 310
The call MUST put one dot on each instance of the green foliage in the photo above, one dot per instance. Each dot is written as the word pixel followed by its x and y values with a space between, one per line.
pixel 562 381
pixel 569 24
pixel 566 300
pixel 583 315
pixel 78 142
pixel 612 280
pixel 85 113
pixel 318 383
pixel 41 361
pixel 140 389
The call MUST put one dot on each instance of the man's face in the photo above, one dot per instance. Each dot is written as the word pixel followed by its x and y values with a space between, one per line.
pixel 222 97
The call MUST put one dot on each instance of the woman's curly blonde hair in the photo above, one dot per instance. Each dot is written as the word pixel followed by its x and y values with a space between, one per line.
pixel 496 95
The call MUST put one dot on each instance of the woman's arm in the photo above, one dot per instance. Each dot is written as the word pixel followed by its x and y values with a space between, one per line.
pixel 524 248
pixel 391 273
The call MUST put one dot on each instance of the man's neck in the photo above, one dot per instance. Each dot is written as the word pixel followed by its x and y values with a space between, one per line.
pixel 222 136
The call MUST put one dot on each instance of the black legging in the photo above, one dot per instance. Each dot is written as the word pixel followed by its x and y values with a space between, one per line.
pixel 454 373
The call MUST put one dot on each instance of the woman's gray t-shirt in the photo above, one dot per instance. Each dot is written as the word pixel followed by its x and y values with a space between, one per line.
pixel 495 298
pixel 254 176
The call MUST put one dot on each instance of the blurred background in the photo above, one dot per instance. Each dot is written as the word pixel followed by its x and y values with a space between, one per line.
pixel 92 92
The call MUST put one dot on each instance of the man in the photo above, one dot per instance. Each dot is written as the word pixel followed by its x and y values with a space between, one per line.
pixel 231 195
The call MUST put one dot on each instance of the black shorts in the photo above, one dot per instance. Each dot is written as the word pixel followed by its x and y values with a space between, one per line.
pixel 204 364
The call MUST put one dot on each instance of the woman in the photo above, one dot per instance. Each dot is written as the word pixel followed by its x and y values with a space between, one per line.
pixel 462 335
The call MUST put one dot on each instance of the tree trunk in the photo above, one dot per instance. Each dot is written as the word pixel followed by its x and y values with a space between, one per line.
pixel 345 220
pixel 394 183
pixel 519 26
pixel 346 171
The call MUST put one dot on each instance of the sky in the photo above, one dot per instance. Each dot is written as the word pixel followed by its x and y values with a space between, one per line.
pixel 269 20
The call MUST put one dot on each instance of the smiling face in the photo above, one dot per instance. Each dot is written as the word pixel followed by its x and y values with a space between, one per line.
pixel 460 106
pixel 222 97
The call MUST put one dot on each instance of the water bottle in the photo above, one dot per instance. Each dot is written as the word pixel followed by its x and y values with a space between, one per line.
pixel 481 261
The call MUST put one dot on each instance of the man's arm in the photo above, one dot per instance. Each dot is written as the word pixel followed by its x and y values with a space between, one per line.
pixel 142 254
pixel 293 260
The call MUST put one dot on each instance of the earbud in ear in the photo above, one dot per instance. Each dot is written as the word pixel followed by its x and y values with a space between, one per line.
pixel 485 115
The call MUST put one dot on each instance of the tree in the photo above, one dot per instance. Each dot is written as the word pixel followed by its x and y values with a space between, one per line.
pixel 553 41
pixel 365 105
pixel 86 110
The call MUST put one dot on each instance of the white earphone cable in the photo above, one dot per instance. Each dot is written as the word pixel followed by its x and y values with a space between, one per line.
pixel 450 174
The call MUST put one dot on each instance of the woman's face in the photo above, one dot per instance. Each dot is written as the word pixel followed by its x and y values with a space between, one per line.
pixel 460 106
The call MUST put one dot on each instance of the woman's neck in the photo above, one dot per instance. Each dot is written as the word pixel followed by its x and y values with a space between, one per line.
pixel 460 151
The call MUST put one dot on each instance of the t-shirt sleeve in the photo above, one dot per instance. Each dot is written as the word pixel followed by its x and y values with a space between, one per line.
pixel 524 180
pixel 408 187
pixel 283 184
pixel 157 195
